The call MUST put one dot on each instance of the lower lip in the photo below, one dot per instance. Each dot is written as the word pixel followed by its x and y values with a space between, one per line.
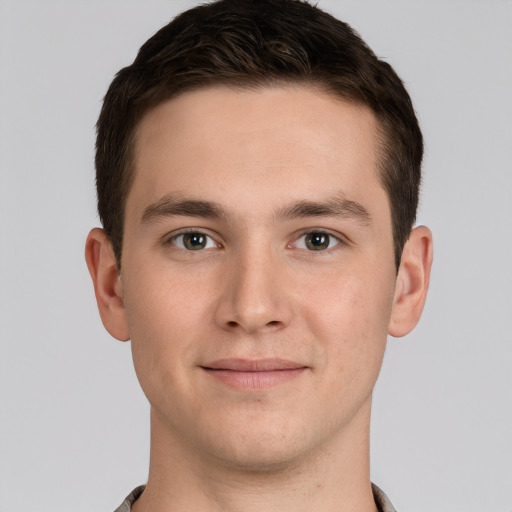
pixel 255 381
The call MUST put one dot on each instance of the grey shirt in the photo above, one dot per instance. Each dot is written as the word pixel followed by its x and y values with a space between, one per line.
pixel 381 500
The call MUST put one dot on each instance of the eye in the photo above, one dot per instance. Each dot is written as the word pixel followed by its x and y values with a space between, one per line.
pixel 193 241
pixel 316 241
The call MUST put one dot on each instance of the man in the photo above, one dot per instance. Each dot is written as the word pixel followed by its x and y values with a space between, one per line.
pixel 257 172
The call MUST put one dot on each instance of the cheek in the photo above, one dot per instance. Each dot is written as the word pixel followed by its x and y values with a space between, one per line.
pixel 349 319
pixel 350 307
pixel 164 318
pixel 163 302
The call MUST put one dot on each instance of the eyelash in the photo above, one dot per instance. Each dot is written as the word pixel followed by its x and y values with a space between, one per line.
pixel 330 236
pixel 172 240
pixel 211 243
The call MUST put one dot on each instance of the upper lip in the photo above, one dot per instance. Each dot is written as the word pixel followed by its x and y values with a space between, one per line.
pixel 253 365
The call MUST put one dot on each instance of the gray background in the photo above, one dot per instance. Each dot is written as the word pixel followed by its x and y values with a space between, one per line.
pixel 74 424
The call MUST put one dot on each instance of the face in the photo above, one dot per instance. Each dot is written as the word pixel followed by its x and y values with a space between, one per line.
pixel 258 271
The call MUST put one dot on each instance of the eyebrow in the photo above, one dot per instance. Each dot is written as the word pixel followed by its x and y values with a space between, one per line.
pixel 172 205
pixel 337 206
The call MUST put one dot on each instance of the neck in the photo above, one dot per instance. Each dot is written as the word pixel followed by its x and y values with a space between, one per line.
pixel 331 478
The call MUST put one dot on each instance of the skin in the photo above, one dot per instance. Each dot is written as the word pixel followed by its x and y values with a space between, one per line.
pixel 258 290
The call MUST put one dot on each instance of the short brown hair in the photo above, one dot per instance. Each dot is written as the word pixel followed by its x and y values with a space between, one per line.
pixel 257 43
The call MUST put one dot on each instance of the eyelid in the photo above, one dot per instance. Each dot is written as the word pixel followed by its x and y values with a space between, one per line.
pixel 342 240
pixel 170 238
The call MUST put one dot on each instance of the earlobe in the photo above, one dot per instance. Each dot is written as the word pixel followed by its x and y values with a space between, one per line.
pixel 412 282
pixel 108 287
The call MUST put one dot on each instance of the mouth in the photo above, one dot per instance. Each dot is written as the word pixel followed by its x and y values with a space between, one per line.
pixel 254 375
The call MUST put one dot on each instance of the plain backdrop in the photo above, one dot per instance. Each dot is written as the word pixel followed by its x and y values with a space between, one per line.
pixel 74 424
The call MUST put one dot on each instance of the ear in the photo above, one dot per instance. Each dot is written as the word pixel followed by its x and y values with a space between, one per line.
pixel 108 287
pixel 412 282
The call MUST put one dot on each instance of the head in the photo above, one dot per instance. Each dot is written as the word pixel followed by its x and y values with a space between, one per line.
pixel 258 172
pixel 254 44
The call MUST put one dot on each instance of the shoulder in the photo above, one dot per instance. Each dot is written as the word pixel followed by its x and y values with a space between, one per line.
pixel 126 506
pixel 381 500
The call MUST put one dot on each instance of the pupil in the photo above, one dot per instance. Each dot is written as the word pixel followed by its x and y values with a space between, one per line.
pixel 194 241
pixel 316 241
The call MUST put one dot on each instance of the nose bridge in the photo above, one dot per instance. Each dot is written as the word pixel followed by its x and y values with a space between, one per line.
pixel 252 296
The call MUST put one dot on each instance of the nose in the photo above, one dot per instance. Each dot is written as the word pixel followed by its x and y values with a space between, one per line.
pixel 254 297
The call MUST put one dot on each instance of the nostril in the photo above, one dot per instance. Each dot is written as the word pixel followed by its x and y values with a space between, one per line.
pixel 272 324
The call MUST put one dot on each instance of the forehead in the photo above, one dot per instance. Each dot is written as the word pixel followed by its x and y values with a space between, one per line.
pixel 282 141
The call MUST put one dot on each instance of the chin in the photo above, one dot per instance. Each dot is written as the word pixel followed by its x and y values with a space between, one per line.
pixel 268 448
pixel 259 457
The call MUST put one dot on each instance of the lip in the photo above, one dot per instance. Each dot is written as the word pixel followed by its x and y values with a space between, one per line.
pixel 254 375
